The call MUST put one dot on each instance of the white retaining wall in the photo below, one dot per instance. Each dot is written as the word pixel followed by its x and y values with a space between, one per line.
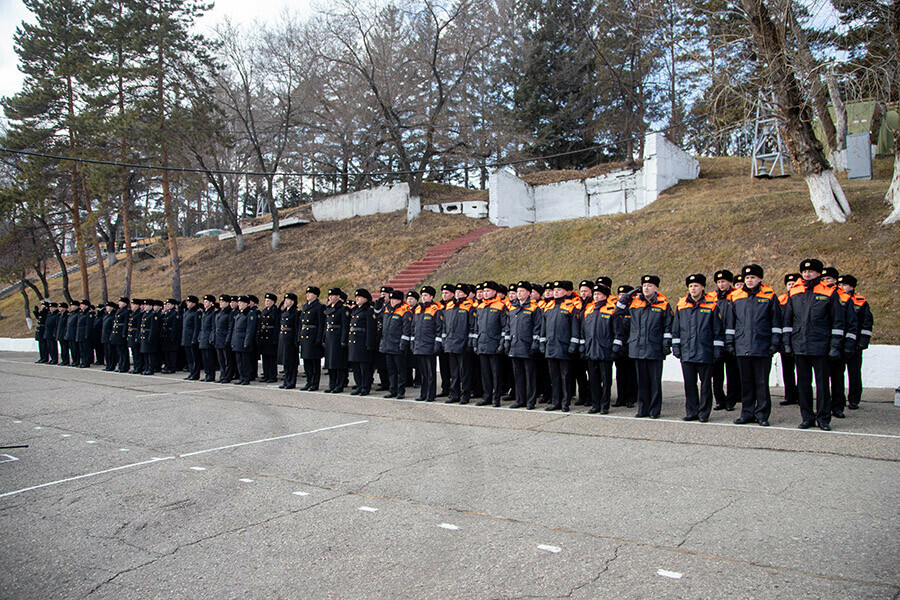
pixel 475 210
pixel 383 199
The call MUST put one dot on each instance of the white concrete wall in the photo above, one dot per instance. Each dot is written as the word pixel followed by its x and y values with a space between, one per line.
pixel 18 345
pixel 665 164
pixel 474 210
pixel 512 200
pixel 383 199
pixel 558 201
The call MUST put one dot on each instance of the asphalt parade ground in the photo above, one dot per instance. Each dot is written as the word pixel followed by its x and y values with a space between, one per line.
pixel 153 487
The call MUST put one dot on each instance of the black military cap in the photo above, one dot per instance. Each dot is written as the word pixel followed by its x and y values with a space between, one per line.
pixel 564 284
pixel 491 285
pixel 313 290
pixel 363 293
pixel 624 289
pixel 137 301
pixel 123 299
pixel 752 269
pixel 603 289
pixel 536 287
pixel 54 305
pixel 512 286
pixel 604 280
pixel 812 264
pixel 524 284
pixel 209 298
pixel 172 301
pixel 386 289
pixel 650 279
pixel 502 289
pixel 112 305
pixel 479 286
pixel 845 279
pixel 343 295
pixel 791 277
pixel 695 278
pixel 234 297
pixel 64 305
pixel 448 287
pixel 462 287
pixel 291 296
pixel 548 284
pixel 739 279
pixel 427 289
pixel 224 298
pixel 270 296
pixel 193 299
pixel 335 291
pixel 396 295
pixel 412 294
pixel 586 283
pixel 724 274
pixel 253 298
pixel 244 299
pixel 85 302
pixel 830 272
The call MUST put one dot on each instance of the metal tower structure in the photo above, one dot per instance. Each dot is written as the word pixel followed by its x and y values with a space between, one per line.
pixel 769 150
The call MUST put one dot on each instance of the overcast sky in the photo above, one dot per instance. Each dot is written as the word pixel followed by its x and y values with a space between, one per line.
pixel 13 12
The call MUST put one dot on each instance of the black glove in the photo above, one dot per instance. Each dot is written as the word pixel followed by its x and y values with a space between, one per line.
pixel 773 350
pixel 676 350
pixel 718 351
pixel 730 349
pixel 834 353
pixel 618 351
pixel 786 348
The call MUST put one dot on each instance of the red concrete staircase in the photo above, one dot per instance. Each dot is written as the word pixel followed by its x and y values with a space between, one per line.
pixel 416 271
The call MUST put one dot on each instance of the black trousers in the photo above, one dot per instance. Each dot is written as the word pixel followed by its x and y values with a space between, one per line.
pixel 233 364
pixel 626 382
pixel 836 368
pixel 428 368
pixel 490 377
pixel 99 352
pixel 460 378
pixel 337 379
pixel 363 373
pixel 854 375
pixel 381 366
pixel 560 377
pixel 150 362
pixel 170 360
pixel 64 352
pixel 756 401
pixel 123 361
pixel 43 355
pixel 137 359
pixel 475 366
pixel 724 369
pixel 245 362
pixel 444 362
pixel 110 356
pixel 208 356
pixel 52 351
pixel 396 366
pixel 507 383
pixel 579 382
pixel 600 381
pixel 525 378
pixel 313 370
pixel 193 360
pixel 807 368
pixel 75 352
pixel 789 374
pixel 270 367
pixel 87 353
pixel 290 375
pixel 226 365
pixel 697 404
pixel 649 389
pixel 545 390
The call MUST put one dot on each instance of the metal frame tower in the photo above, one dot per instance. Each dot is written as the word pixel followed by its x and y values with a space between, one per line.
pixel 769 150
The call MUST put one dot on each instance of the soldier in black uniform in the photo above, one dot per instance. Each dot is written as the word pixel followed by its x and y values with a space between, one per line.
pixel 170 338
pixel 312 337
pixel 223 327
pixel 71 334
pixel 138 308
pixel 362 342
pixel 337 331
pixel 726 367
pixel 267 337
pixel 110 356
pixel 64 311
pixel 40 318
pixel 242 339
pixel 232 354
pixel 151 328
pixel 288 350
pixel 380 365
pixel 190 337
pixel 119 336
pixel 50 327
pixel 97 349
pixel 84 328
pixel 254 364
pixel 207 339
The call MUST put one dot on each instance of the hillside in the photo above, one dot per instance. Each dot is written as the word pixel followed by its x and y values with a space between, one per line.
pixel 723 219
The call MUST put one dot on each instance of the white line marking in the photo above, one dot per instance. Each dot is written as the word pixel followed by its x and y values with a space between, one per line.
pixel 17 421
pixel 198 468
pixel 66 435
pixel 66 480
pixel 91 442
pixel 38 427
pixel 553 549
pixel 271 439
pixel 9 458
pixel 124 450
pixel 671 574
pixel 301 493
pixel 368 509
pixel 448 526
pixel 175 393
pixel 245 480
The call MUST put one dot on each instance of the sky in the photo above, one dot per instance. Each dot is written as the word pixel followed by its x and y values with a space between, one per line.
pixel 13 12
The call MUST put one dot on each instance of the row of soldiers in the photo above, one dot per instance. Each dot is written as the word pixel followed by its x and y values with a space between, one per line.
pixel 519 342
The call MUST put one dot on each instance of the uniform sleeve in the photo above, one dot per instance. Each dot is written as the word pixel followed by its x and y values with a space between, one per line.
pixel 345 327
pixel 667 332
pixel 777 330
pixel 230 320
pixel 729 320
pixel 372 332
pixel 252 323
pixel 406 334
pixel 718 324
pixel 537 325
pixel 866 322
pixel 473 336
pixel 195 334
pixel 838 323
pixel 505 334
pixel 676 331
pixel 851 327
pixel 320 326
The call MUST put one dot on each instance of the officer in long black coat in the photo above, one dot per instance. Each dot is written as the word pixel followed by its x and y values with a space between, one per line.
pixel 71 334
pixel 288 350
pixel 50 327
pixel 118 338
pixel 206 342
pixel 97 349
pixel 64 312
pixel 110 357
pixel 84 329
pixel 242 339
pixel 40 318
pixel 151 328
pixel 312 337
pixel 362 342
pixel 138 309
pixel 267 337
pixel 337 331
pixel 190 337
pixel 170 338
pixel 224 328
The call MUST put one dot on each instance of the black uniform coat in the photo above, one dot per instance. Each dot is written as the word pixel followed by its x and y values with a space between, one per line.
pixel 698 330
pixel 814 319
pixel 84 325
pixel 61 326
pixel 312 330
pixel 41 317
pixel 525 321
pixel 52 323
pixel 648 331
pixel 207 339
pixel 427 328
pixel 109 320
pixel 224 327
pixel 190 327
pixel 561 329
pixel 171 330
pixel 753 322
pixel 151 326
pixel 119 334
pixel 491 328
pixel 72 326
pixel 457 326
pixel 268 331
pixel 244 330
pixel 288 350
pixel 337 334
pixel 396 329
pixel 363 336
pixel 134 328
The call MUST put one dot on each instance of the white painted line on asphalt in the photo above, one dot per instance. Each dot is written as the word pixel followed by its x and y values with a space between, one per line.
pixel 124 450
pixel 553 549
pixel 17 422
pixel 198 468
pixel 175 393
pixel 9 458
pixel 91 442
pixel 271 439
pixel 245 480
pixel 301 493
pixel 67 479
pixel 38 427
pixel 448 526
pixel 671 574
pixel 368 509
pixel 65 435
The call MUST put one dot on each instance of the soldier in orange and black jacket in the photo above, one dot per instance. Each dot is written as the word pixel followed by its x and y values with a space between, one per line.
pixel 490 333
pixel 813 330
pixel 597 335
pixel 626 374
pixel 864 321
pixel 788 370
pixel 545 391
pixel 648 332
pixel 753 335
pixel 698 339
pixel 523 345
pixel 476 293
pixel 580 385
pixel 443 359
pixel 396 335
pixel 457 327
pixel 560 339
pixel 837 366
pixel 427 341
pixel 726 367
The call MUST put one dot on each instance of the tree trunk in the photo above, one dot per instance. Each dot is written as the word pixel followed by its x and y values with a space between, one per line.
pixel 126 234
pixel 170 225
pixel 878 111
pixel 270 201
pixel 26 303
pixel 795 117
pixel 63 272
pixel 104 287
pixel 37 292
pixel 41 271
pixel 892 196
pixel 840 122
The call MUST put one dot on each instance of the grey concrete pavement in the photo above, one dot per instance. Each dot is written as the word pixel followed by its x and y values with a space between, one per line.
pixel 154 487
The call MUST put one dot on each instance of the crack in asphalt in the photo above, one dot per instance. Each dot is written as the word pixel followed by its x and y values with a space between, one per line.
pixel 704 520
pixel 594 580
